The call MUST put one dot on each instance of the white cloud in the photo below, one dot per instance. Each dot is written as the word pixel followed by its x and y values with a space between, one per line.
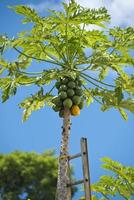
pixel 121 11
pixel 45 5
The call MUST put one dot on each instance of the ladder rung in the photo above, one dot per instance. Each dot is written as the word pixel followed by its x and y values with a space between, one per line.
pixel 75 183
pixel 75 156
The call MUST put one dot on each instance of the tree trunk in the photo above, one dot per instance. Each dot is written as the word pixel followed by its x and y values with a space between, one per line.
pixel 64 192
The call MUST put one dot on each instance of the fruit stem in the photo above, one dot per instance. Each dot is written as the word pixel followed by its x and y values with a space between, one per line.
pixel 97 80
pixel 51 89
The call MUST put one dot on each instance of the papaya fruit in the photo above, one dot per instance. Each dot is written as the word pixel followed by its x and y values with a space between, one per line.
pixel 57 101
pixel 70 92
pixel 75 110
pixel 71 84
pixel 63 95
pixel 78 91
pixel 65 80
pixel 76 99
pixel 58 84
pixel 63 88
pixel 81 104
pixel 80 82
pixel 67 103
pixel 56 108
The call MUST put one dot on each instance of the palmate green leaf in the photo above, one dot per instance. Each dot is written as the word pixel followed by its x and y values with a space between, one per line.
pixel 14 66
pixel 4 43
pixel 35 102
pixel 88 96
pixel 3 66
pixel 17 42
pixel 1 70
pixel 126 85
pixel 123 113
pixel 33 48
pixel 105 107
pixel 103 72
pixel 48 76
pixel 8 87
pixel 120 182
pixel 123 38
pixel 3 63
pixel 94 38
pixel 9 91
pixel 29 13
pixel 114 99
pixel 78 14
pixel 117 168
pixel 119 70
pixel 128 104
pixel 19 64
pixel 26 80
pixel 124 177
pixel 119 94
pixel 106 186
pixel 4 82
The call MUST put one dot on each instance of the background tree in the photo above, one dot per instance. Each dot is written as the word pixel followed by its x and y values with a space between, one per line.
pixel 120 182
pixel 28 176
pixel 75 53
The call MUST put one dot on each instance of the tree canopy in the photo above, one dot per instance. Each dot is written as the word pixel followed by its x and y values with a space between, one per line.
pixel 25 175
pixel 65 40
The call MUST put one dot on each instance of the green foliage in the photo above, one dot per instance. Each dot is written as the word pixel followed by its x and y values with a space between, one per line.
pixel 119 184
pixel 35 102
pixel 30 14
pixel 28 175
pixel 62 40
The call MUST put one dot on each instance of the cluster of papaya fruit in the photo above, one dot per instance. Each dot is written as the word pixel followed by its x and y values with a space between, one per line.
pixel 70 96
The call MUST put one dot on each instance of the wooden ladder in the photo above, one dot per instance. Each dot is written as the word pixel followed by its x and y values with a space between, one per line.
pixel 85 167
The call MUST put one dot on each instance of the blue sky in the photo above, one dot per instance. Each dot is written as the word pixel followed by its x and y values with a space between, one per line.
pixel 107 133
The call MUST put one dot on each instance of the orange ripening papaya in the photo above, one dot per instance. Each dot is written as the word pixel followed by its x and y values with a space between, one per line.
pixel 75 110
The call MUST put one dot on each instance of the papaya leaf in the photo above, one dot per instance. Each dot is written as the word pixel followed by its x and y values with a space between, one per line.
pixel 103 73
pixel 127 86
pixel 35 102
pixel 123 113
pixel 26 80
pixel 127 104
pixel 1 70
pixel 88 96
pixel 105 107
pixel 119 94
pixel 29 13
pixel 8 89
pixel 121 73
pixel 3 63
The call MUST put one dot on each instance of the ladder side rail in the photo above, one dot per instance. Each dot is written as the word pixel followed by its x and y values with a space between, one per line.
pixel 85 165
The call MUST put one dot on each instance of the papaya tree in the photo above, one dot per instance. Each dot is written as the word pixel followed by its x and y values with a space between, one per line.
pixel 80 63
